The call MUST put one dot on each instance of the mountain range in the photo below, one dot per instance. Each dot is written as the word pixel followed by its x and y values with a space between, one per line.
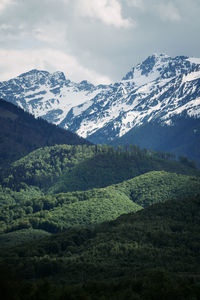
pixel 156 104
pixel 83 221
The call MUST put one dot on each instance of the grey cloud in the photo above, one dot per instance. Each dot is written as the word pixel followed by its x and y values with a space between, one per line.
pixel 103 48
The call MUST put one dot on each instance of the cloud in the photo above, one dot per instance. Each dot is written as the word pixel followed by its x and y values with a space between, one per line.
pixel 168 12
pixel 93 37
pixel 136 3
pixel 15 62
pixel 107 11
pixel 53 32
pixel 4 4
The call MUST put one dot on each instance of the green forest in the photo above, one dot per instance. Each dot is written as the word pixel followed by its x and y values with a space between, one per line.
pixel 21 133
pixel 83 221
pixel 31 208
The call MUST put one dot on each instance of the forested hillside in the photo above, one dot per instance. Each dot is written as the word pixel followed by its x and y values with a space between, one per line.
pixel 59 187
pixel 21 133
pixel 64 168
pixel 153 254
pixel 82 221
pixel 58 212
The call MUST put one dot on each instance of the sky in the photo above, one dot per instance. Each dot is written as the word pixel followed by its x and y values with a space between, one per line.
pixel 94 40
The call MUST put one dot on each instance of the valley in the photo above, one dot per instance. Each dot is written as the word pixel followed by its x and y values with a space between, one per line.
pixel 116 215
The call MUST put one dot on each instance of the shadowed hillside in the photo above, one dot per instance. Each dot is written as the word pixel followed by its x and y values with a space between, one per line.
pixel 21 133
pixel 153 254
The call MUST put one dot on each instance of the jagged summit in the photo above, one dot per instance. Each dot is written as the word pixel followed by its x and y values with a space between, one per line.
pixel 34 71
pixel 41 75
pixel 58 76
pixel 33 75
pixel 85 85
pixel 161 66
pixel 160 54
pixel 159 89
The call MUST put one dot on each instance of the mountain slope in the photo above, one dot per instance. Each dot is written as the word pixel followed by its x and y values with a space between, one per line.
pixel 46 95
pixel 59 212
pixel 148 255
pixel 64 168
pixel 182 137
pixel 21 133
pixel 160 91
pixel 54 188
pixel 56 213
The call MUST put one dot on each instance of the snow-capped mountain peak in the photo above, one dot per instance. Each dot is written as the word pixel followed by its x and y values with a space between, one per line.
pixel 160 66
pixel 158 89
pixel 40 77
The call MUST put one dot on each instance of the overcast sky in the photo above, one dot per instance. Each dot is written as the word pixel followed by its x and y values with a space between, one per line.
pixel 97 40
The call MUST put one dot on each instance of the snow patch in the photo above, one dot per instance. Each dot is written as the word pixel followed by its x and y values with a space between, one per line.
pixel 191 76
pixel 81 108
pixel 155 92
pixel 194 60
pixel 130 118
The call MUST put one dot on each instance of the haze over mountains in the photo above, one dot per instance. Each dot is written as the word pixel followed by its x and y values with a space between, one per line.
pixel 159 97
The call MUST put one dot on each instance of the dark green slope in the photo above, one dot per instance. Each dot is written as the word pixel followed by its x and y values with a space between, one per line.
pixel 153 254
pixel 65 168
pixel 21 133
pixel 164 235
pixel 182 138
